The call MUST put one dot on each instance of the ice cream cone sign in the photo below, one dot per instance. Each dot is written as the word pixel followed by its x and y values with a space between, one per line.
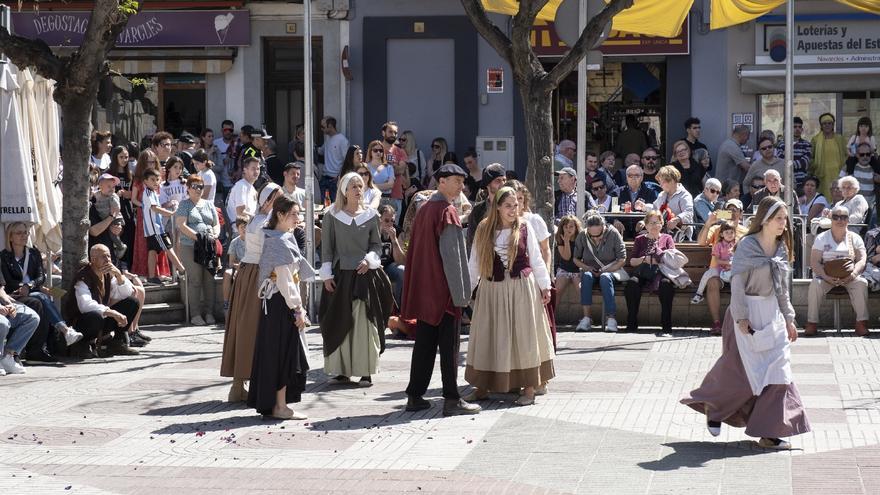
pixel 221 25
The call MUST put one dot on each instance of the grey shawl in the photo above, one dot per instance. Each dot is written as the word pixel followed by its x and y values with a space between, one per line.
pixel 280 248
pixel 750 255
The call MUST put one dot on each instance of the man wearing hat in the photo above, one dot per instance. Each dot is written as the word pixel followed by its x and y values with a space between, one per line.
pixel 106 218
pixel 289 188
pixel 436 286
pixel 246 148
pixel 265 145
pixel 733 208
pixel 565 202
pixel 187 144
pixel 494 177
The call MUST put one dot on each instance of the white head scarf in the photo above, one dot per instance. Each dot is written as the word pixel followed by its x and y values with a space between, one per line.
pixel 343 187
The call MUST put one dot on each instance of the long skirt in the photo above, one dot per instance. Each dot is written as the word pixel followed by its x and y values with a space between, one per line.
pixel 353 320
pixel 139 264
pixel 727 396
pixel 279 358
pixel 510 345
pixel 241 323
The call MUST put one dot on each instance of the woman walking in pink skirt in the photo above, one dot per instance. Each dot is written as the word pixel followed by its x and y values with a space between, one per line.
pixel 751 384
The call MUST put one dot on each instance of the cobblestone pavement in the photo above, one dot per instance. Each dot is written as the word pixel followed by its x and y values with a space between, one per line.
pixel 611 423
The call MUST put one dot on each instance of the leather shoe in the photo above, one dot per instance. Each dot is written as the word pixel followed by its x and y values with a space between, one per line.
pixel 116 348
pixel 135 341
pixel 143 336
pixel 458 407
pixel 414 404
pixel 862 328
pixel 811 329
pixel 41 355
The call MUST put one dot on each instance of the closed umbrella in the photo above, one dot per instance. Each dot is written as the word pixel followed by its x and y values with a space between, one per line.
pixel 17 199
pixel 42 114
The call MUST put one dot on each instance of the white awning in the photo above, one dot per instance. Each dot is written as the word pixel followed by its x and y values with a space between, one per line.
pixel 815 78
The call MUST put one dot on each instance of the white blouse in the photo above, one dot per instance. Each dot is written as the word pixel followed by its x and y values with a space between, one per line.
pixel 253 241
pixel 539 268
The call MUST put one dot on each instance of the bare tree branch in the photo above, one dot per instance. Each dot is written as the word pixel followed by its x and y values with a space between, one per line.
pixel 488 30
pixel 25 52
pixel 587 39
pixel 529 69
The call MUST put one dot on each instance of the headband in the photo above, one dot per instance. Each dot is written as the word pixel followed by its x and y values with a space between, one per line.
pixel 772 211
pixel 826 119
pixel 343 184
pixel 503 191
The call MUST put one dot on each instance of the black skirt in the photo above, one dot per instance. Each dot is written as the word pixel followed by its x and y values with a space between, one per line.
pixel 279 358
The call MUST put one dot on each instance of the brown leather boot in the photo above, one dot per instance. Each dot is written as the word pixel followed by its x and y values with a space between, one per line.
pixel 862 328
pixel 811 329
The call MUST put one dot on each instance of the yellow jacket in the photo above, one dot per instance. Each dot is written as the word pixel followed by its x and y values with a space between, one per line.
pixel 827 172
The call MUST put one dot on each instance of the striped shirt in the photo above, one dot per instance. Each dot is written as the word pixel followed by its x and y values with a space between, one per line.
pixel 802 155
pixel 865 176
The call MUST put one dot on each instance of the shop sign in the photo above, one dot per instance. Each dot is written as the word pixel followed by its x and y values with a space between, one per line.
pixel 826 40
pixel 546 43
pixel 495 80
pixel 747 119
pixel 152 28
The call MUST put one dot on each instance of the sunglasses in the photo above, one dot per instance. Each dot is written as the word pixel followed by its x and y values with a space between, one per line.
pixel 401 140
pixel 364 174
pixel 765 148
pixel 598 188
pixel 197 187
pixel 714 191
pixel 840 218
pixel 435 146
pixel 650 158
pixel 758 186
pixel 378 150
pixel 864 155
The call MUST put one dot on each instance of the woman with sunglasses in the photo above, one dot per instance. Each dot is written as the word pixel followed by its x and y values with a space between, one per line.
pixel 438 151
pixel 372 194
pixel 196 216
pixel 707 201
pixel 383 173
pixel 838 259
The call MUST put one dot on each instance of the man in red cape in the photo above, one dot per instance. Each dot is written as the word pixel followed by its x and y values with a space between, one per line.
pixel 436 287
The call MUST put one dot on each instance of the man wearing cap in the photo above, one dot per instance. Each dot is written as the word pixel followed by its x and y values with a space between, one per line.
pixel 494 177
pixel 565 202
pixel 565 155
pixel 829 154
pixel 262 141
pixel 707 237
pixel 187 144
pixel 243 196
pixel 105 217
pixel 246 149
pixel 436 286
pixel 289 186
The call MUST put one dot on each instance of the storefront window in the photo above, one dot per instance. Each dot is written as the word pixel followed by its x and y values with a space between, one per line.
pixel 807 106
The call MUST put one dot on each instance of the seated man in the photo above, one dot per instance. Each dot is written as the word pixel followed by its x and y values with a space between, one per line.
pixel 772 187
pixel 392 256
pixel 17 324
pixel 102 300
pixel 634 197
pixel 733 211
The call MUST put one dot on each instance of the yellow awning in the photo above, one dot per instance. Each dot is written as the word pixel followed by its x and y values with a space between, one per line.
pixel 664 17
pixel 726 13
pixel 649 17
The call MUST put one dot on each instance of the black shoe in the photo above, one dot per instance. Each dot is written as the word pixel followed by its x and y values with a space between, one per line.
pixel 117 348
pixel 143 336
pixel 41 355
pixel 154 282
pixel 414 404
pixel 458 407
pixel 135 341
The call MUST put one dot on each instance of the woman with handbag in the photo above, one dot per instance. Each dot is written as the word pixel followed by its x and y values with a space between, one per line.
pixel 838 259
pixel 195 216
pixel 599 253
pixel 646 252
pixel 751 384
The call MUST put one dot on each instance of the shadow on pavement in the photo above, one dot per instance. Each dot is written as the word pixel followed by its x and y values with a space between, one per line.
pixel 697 454
pixel 225 424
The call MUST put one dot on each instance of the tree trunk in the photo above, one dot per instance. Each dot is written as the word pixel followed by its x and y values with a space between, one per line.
pixel 77 150
pixel 539 141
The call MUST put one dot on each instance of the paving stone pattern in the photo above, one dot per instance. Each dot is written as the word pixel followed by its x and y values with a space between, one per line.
pixel 611 423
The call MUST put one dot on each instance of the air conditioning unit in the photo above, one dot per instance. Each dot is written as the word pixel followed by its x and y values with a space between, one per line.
pixel 495 149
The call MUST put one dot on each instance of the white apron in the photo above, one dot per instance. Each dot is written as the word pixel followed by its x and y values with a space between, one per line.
pixel 765 355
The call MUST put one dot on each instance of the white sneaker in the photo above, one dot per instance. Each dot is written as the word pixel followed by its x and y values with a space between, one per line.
pixel 72 336
pixel 209 319
pixel 198 321
pixel 2 372
pixel 8 363
pixel 697 299
pixel 611 325
pixel 584 325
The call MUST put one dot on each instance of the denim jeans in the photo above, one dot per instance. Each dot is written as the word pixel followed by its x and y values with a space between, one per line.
pixel 395 275
pixel 606 285
pixel 50 311
pixel 328 184
pixel 15 331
